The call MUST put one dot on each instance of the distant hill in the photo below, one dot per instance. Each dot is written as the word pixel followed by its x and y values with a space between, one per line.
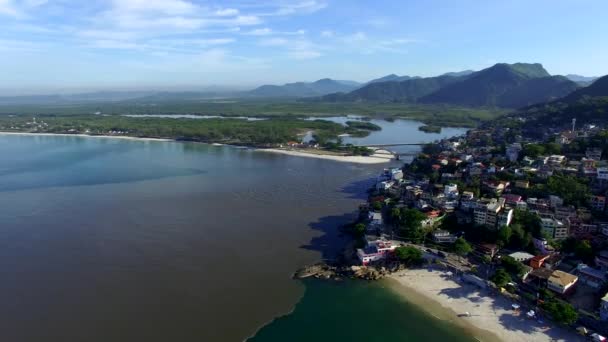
pixel 459 73
pixel 586 105
pixel 392 78
pixel 304 89
pixel 102 96
pixel 404 91
pixel 581 80
pixel 504 85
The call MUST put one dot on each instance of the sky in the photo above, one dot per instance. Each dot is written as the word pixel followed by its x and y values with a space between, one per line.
pixel 52 45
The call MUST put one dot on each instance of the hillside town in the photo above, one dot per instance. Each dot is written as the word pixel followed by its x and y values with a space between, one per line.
pixel 526 216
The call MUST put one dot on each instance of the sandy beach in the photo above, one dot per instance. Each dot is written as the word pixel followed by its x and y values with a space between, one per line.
pixel 492 318
pixel 85 136
pixel 379 157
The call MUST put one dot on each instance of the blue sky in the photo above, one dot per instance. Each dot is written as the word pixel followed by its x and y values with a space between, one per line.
pixel 101 44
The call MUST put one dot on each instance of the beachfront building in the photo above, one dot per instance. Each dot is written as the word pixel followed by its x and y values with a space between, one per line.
pixel 375 250
pixel 561 282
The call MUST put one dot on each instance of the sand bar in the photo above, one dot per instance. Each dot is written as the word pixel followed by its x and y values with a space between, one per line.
pixel 377 158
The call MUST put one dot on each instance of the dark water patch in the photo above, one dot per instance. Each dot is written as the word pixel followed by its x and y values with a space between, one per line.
pixel 356 311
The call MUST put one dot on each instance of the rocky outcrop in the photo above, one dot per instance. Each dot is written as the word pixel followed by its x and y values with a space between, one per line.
pixel 339 272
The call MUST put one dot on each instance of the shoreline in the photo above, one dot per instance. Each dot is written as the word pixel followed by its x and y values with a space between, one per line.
pixel 123 137
pixel 492 318
pixel 376 158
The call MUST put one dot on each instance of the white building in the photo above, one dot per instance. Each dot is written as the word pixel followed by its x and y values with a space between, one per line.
pixel 521 256
pixel 450 190
pixel 554 229
pixel 375 250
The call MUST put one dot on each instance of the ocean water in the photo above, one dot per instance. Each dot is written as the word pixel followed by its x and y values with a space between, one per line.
pixel 119 240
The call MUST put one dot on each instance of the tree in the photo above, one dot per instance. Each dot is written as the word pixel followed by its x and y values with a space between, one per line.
pixel 359 229
pixel 529 221
pixel 410 256
pixel 571 189
pixel 513 266
pixel 584 250
pixel 560 311
pixel 411 224
pixel 462 247
pixel 377 205
pixel 504 235
pixel 501 277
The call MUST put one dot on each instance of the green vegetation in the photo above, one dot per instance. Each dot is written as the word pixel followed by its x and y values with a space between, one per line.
pixel 461 247
pixel 363 125
pixel 234 131
pixel 501 277
pixel 441 115
pixel 512 266
pixel 573 190
pixel 430 129
pixel 409 222
pixel 410 256
pixel 560 311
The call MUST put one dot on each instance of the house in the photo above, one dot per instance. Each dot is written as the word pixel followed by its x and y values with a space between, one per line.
pixel 604 308
pixel 602 173
pixel 593 153
pixel 375 220
pixel 591 276
pixel 375 250
pixel 443 236
pixel 384 185
pixel 561 282
pixel 512 152
pixel 522 184
pixel 487 249
pixel 597 203
pixel 450 190
pixel 512 199
pixel 538 261
pixel 602 260
pixel 521 256
pixel 539 277
pixel 556 160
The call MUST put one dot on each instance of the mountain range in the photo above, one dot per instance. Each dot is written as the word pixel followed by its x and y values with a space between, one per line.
pixel 304 89
pixel 502 85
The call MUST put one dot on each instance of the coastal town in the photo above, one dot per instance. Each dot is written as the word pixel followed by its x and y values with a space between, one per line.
pixel 522 217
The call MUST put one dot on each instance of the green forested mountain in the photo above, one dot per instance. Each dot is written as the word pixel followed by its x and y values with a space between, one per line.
pixel 504 85
pixel 586 105
pixel 405 91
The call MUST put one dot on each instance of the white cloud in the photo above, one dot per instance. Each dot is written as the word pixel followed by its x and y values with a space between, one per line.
pixel 304 7
pixel 168 7
pixel 260 32
pixel 327 34
pixel 227 12
pixel 8 8
pixel 274 42
pixel 303 49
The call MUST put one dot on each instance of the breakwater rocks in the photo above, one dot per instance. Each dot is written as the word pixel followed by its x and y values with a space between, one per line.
pixel 339 272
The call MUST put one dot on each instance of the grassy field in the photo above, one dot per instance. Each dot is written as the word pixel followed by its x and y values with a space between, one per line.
pixel 439 115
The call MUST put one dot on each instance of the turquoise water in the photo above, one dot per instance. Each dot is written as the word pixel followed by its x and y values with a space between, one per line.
pixel 356 311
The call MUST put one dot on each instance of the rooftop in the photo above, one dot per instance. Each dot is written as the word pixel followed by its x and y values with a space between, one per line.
pixel 562 278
